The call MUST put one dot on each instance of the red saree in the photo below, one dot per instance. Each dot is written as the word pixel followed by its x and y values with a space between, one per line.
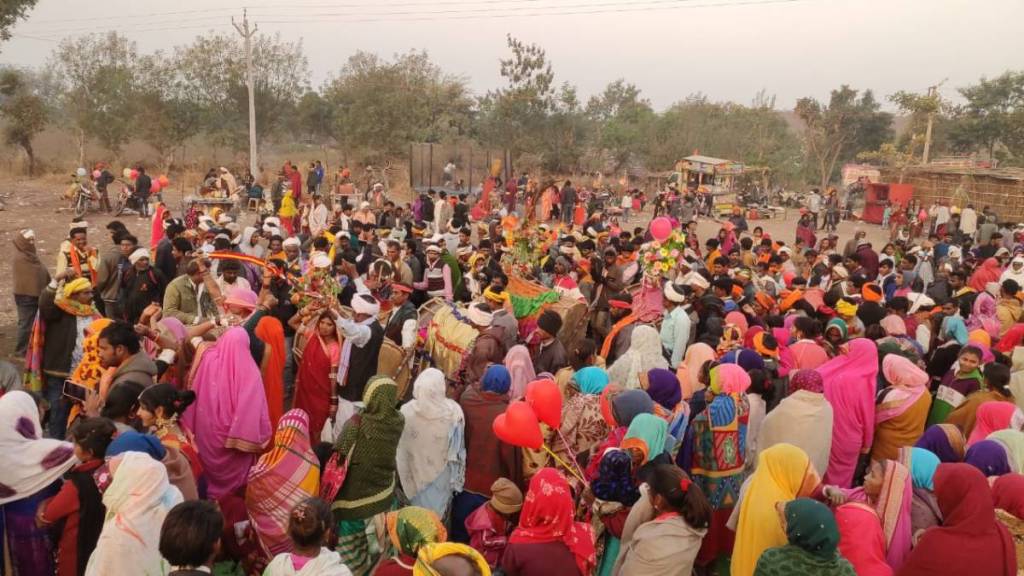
pixel 313 383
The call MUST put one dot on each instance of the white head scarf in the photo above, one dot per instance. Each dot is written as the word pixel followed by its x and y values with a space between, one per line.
pixel 644 354
pixel 432 438
pixel 137 501
pixel 28 462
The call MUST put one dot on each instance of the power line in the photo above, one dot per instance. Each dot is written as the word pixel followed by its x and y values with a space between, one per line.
pixel 539 14
pixel 441 15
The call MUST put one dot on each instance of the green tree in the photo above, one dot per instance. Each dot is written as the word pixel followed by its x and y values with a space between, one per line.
pixel 315 118
pixel 621 120
pixel 97 78
pixel 170 107
pixel 214 68
pixel 515 115
pixel 24 112
pixel 385 105
pixel 837 132
pixel 992 119
pixel 10 12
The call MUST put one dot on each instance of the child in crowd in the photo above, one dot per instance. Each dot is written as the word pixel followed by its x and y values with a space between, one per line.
pixel 490 525
pixel 960 381
pixel 190 537
pixel 79 503
pixel 309 527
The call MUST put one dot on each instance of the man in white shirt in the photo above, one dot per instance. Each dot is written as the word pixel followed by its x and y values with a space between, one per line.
pixel 675 328
pixel 940 214
pixel 968 222
pixel 814 206
pixel 318 216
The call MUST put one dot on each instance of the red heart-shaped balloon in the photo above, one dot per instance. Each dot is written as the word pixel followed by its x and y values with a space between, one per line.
pixel 546 400
pixel 518 426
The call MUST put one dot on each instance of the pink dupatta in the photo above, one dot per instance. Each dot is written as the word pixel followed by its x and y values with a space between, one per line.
pixel 850 389
pixel 229 418
pixel 893 509
pixel 907 382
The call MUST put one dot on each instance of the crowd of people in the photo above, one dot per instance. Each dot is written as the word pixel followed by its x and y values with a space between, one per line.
pixel 211 398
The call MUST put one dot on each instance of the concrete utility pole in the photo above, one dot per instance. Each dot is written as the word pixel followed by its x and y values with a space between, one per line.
pixel 247 35
pixel 933 93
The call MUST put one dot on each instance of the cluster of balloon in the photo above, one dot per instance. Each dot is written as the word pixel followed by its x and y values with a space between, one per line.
pixel 661 228
pixel 520 424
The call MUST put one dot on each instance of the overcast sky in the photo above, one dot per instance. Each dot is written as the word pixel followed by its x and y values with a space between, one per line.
pixel 726 49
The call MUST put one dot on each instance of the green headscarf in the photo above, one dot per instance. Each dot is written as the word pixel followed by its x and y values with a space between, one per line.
pixel 811 526
pixel 649 430
pixel 840 324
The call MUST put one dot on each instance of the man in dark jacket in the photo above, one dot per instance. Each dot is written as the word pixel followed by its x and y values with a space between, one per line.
pixel 143 186
pixel 568 202
pixel 165 261
pixel 142 285
pixel 66 317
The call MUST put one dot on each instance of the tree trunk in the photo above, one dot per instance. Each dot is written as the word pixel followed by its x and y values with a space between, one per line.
pixel 81 147
pixel 27 146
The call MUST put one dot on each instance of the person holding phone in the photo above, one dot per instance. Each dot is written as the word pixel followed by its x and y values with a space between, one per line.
pixel 66 312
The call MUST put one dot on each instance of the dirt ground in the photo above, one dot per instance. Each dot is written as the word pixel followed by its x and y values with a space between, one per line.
pixel 38 204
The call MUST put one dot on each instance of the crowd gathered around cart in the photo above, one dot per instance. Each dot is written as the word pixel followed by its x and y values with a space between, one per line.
pixel 311 376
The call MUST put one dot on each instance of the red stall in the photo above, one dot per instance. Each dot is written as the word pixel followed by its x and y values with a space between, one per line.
pixel 877 195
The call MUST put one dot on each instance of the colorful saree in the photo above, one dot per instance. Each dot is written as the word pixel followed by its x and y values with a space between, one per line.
pixel 282 478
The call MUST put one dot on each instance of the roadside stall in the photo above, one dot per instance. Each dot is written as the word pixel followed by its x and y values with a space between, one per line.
pixel 713 178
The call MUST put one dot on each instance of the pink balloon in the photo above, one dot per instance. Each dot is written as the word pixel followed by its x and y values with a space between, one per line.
pixel 135 174
pixel 155 186
pixel 661 228
pixel 96 174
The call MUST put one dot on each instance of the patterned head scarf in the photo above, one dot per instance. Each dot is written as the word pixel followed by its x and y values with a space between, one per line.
pixel 413 527
pixel 547 516
pixel 614 481
pixel 808 379
pixel 811 526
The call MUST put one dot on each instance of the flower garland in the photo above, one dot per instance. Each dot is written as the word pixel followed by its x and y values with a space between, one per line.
pixel 660 257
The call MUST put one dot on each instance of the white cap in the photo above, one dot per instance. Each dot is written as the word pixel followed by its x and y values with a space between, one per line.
pixel 139 254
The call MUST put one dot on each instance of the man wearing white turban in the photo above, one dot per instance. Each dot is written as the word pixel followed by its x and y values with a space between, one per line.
pixel 361 349
pixel 488 348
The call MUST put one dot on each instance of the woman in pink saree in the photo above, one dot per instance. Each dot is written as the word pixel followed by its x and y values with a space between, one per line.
pixel 229 418
pixel 888 489
pixel 850 382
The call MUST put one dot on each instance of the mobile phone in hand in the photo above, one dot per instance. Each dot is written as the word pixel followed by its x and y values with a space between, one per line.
pixel 75 391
